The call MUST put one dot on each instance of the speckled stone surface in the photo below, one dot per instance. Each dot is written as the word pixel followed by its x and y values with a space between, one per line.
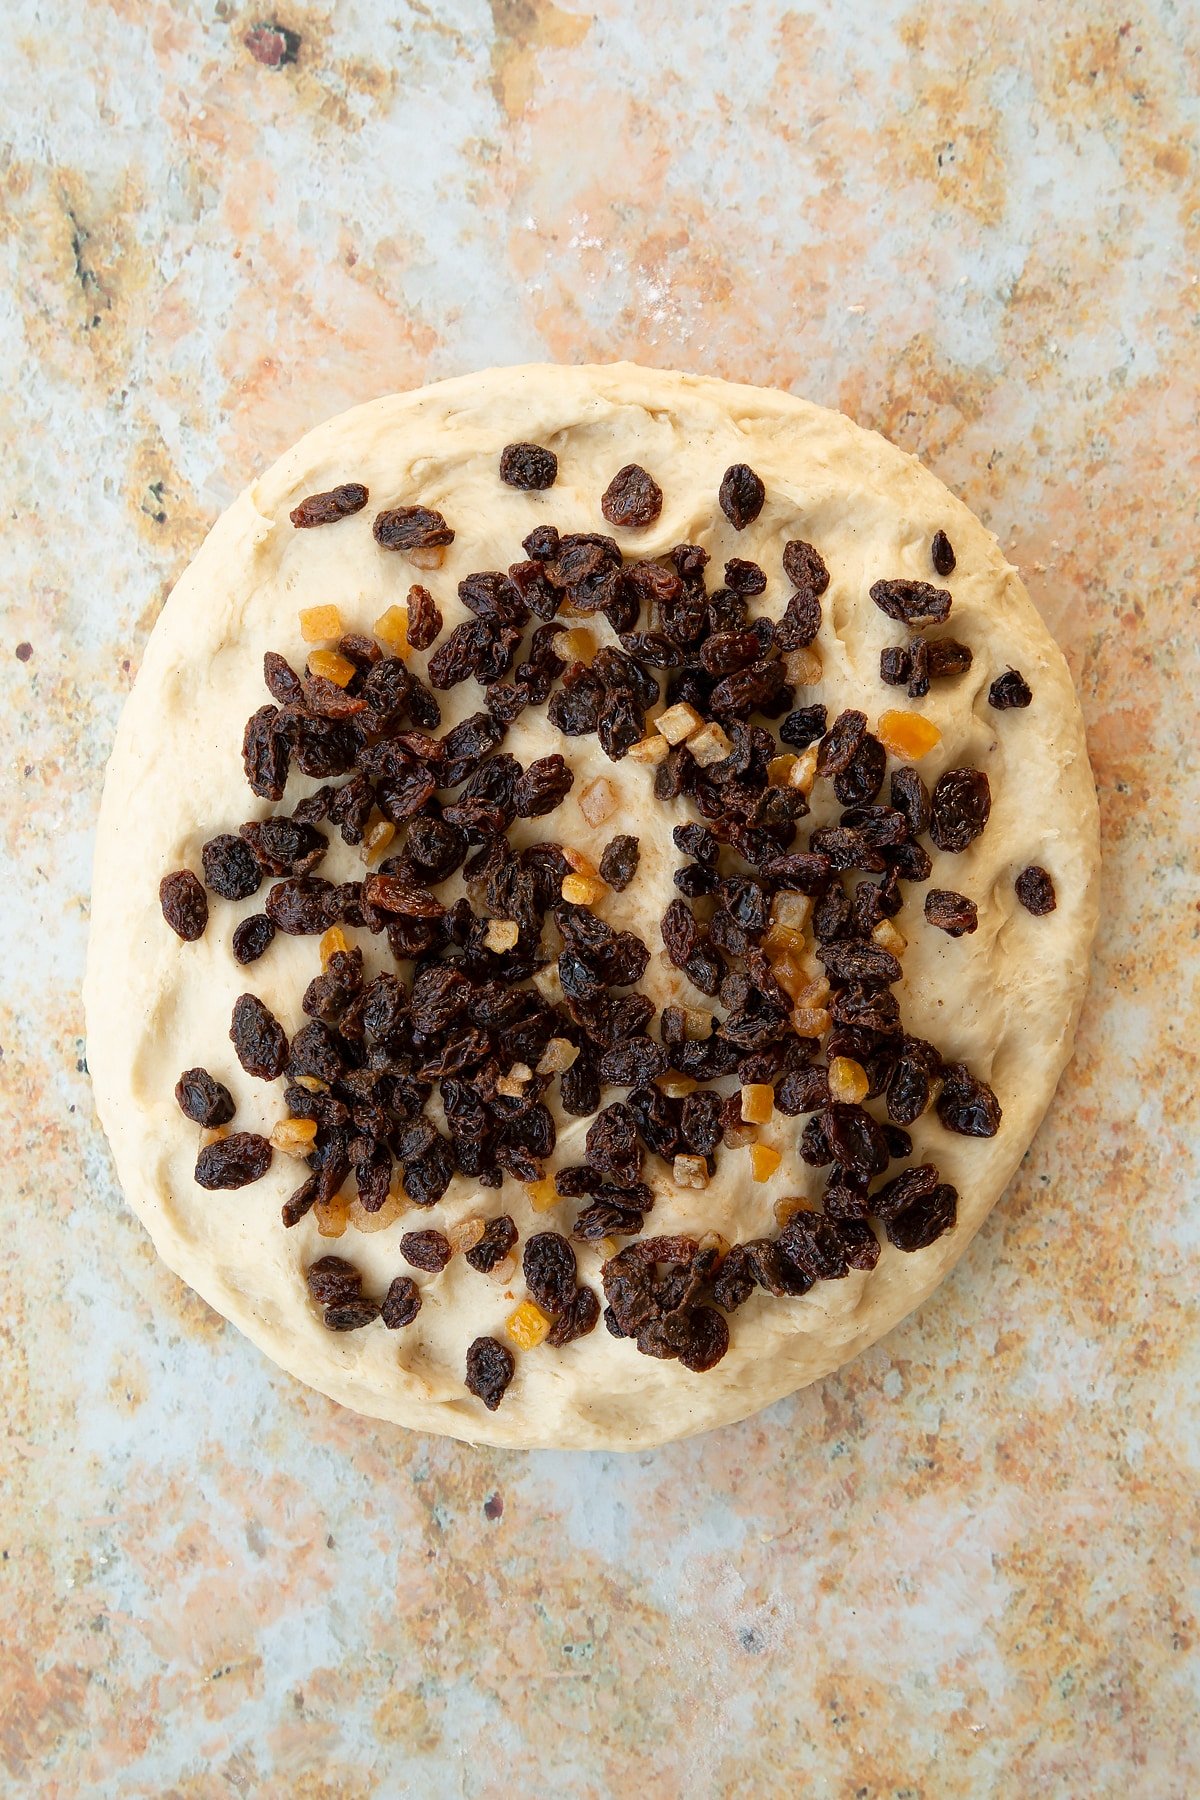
pixel 966 1566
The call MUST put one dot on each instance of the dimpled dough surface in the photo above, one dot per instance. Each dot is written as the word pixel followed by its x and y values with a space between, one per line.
pixel 1004 1000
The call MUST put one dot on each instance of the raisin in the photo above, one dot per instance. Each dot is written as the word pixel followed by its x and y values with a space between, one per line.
pixel 233 1161
pixel 322 747
pixel 856 1140
pixel 941 554
pixel 424 618
pixel 411 528
pixel 428 1250
pixel 259 1039
pixel 680 933
pixel 865 965
pixel 946 656
pixel 741 495
pixel 332 1278
pixel 580 1316
pixel 962 802
pixel 528 466
pixel 734 1281
pixel 862 778
pixel 907 1092
pixel 203 1099
pixel 622 723
pixel 911 602
pixel 230 868
pixel 811 1242
pixel 706 1340
pixel 1009 690
pixel 498 1239
pixel 282 680
pixel 184 904
pixel 950 912
pixel 350 1315
pixel 252 937
pixel 287 846
pixel 840 742
pixel 744 577
pixel 548 1264
pixel 401 1303
pixel 1035 891
pixel 489 1371
pixel 327 509
pixel 637 1060
pixel 619 863
pixel 632 497
pixel 904 1190
pixel 895 665
pixel 967 1105
pixel 265 753
pixel 910 796
pixel 727 651
pixel 543 786
pixel 777 1273
pixel 801 871
pixel 801 621
pixel 579 1087
pixel 803 727
pixel 612 1142
pixel 427 1177
pixel 922 1223
pixel 802 1091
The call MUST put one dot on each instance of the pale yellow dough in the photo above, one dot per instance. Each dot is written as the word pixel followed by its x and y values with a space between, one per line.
pixel 1005 1000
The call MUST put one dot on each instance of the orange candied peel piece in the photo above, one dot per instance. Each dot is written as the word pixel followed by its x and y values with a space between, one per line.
pixel 333 943
pixel 317 622
pixel 332 666
pixel 848 1081
pixel 758 1102
pixel 764 1160
pixel 391 628
pixel 543 1195
pixel 578 644
pixel 908 735
pixel 332 1216
pixel 582 890
pixel 528 1326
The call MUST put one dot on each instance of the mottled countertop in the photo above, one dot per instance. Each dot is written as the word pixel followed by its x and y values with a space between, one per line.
pixel 965 1566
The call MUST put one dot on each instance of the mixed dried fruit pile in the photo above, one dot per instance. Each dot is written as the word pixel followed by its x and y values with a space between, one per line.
pixel 518 982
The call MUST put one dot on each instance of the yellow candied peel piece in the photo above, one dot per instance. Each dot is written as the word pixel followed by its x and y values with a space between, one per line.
pixel 388 1213
pixel 318 622
pixel 295 1137
pixel 332 666
pixel 890 937
pixel 810 1021
pixel 779 770
pixel 908 735
pixel 709 745
pixel 758 1102
pixel 690 1172
pixel 577 645
pixel 787 1208
pixel 391 628
pixel 333 943
pixel 501 935
pixel 803 667
pixel 652 749
pixel 332 1216
pixel 543 1195
pixel 676 1087
pixel 582 890
pixel 764 1160
pixel 557 1057
pixel 528 1326
pixel 513 1085
pixel 678 722
pixel 465 1235
pixel 803 772
pixel 848 1081
pixel 376 839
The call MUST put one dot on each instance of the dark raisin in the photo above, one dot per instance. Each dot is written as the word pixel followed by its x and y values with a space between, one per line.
pixel 966 1104
pixel 350 1315
pixel 252 937
pixel 862 778
pixel 632 497
pixel 840 742
pixel 680 933
pixel 203 1099
pixel 629 1064
pixel 904 1190
pixel 856 1139
pixel 579 1087
pixel 427 1177
pixel 941 554
pixel 1009 690
pixel 543 786
pixel 801 621
pixel 864 965
pixel 961 804
pixel 741 496
pixel 910 796
pixel 612 1142
pixel 498 1239
pixel 332 1278
pixel 548 1264
pixel 811 1242
pixel 289 846
pixel 895 665
pixel 946 656
pixel 230 868
pixel 618 865
pixel 706 1340
pixel 950 912
pixel 805 567
pixel 424 618
pixel 1035 891
pixel 428 1250
pixel 258 1037
pixel 744 577
pixel 282 680
pixel 233 1161
pixel 907 1092
pixel 528 466
pixel 542 544
pixel 803 727
pixel 489 1371
pixel 411 528
pixel 912 602
pixel 802 1091
pixel 184 904
pixel 899 1142
pixel 580 1316
pixel 922 1223
pixel 727 651
pixel 401 1303
pixel 265 753
pixel 327 509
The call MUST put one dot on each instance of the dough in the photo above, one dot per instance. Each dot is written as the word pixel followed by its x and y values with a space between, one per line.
pixel 1004 1000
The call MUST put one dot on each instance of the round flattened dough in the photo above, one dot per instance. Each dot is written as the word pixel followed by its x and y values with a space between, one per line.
pixel 1004 1000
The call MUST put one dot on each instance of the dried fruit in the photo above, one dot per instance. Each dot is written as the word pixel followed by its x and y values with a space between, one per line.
pixel 391 627
pixel 230 868
pixel 351 1315
pixel 912 602
pixel 428 1250
pixel 678 722
pixel 961 805
pixel 401 1303
pixel 328 508
pixel 424 618
pixel 907 734
pixel 318 623
pixel 184 904
pixel 252 937
pixel 764 1161
pixel 203 1099
pixel 1009 690
pixel 528 466
pixel 332 1278
pixel 233 1161
pixel 411 528
pixel 910 796
pixel 632 497
pixel 941 553
pixel 498 1239
pixel 967 1105
pixel 528 1326
pixel 294 1137
pixel 757 1103
pixel 741 496
pixel 923 1222
pixel 950 912
pixel 848 1081
pixel 489 1371
pixel 1035 891
pixel 258 1038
